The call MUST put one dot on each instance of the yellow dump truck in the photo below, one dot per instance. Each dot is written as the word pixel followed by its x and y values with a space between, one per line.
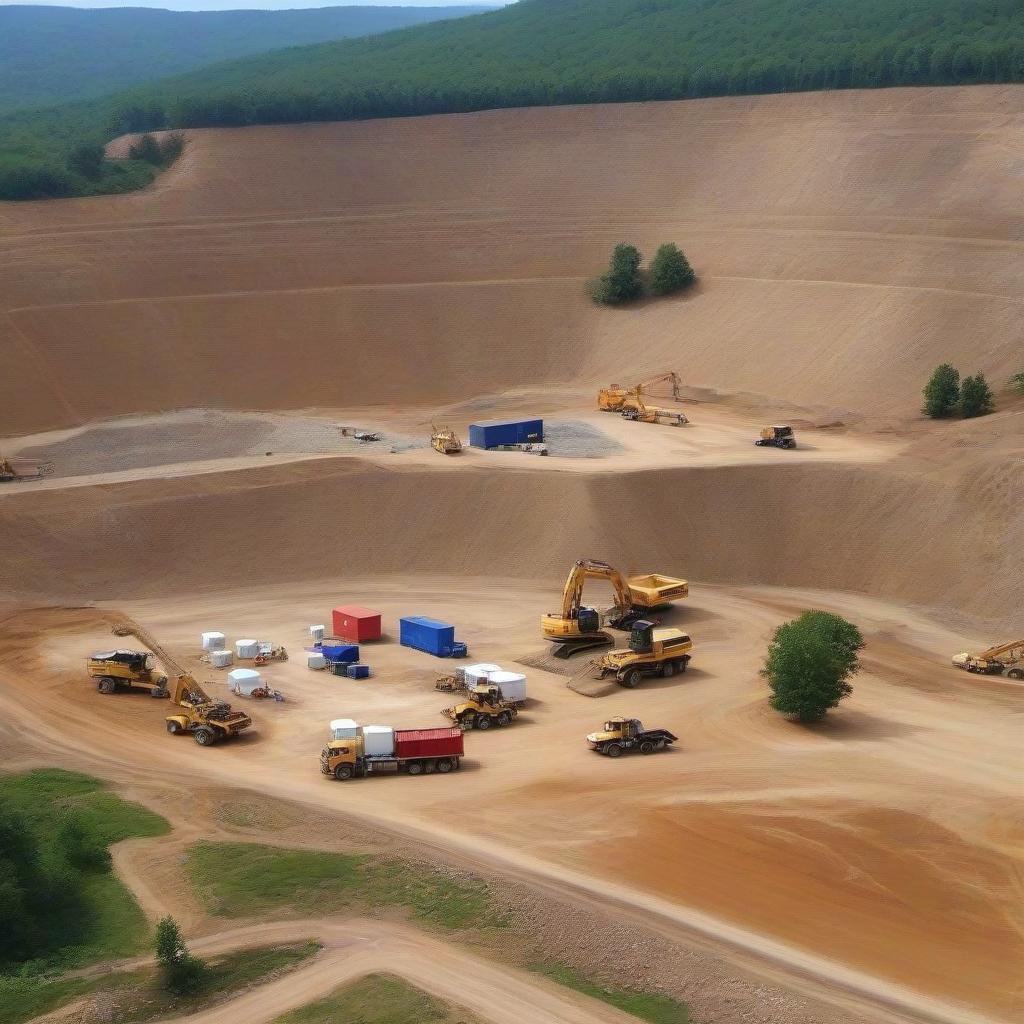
pixel 652 651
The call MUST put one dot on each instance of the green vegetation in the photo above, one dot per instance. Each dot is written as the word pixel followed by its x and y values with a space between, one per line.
pixel 1017 382
pixel 622 281
pixel 232 878
pixel 648 1006
pixel 181 973
pixel 377 999
pixel 670 271
pixel 61 905
pixel 49 53
pixel 136 996
pixel 538 53
pixel 975 397
pixel 809 662
pixel 942 392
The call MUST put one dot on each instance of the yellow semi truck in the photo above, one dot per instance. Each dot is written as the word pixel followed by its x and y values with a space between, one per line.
pixel 652 651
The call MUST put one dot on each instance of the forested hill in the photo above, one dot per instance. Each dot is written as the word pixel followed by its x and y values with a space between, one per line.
pixel 51 54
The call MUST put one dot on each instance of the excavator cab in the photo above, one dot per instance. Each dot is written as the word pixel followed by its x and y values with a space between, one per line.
pixel 641 637
pixel 589 620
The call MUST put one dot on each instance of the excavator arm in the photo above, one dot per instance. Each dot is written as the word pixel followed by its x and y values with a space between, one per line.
pixel 588 568
pixel 1015 651
pixel 185 686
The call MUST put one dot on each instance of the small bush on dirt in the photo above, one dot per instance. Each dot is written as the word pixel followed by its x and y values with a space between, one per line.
pixel 670 271
pixel 975 397
pixel 622 281
pixel 157 152
pixel 809 662
pixel 82 847
pixel 942 392
pixel 182 973
pixel 1017 382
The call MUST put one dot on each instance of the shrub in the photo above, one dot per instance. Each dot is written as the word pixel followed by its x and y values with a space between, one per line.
pixel 87 160
pixel 182 973
pixel 147 149
pixel 975 397
pixel 35 182
pixel 670 271
pixel 942 392
pixel 81 847
pixel 622 282
pixel 1017 382
pixel 808 664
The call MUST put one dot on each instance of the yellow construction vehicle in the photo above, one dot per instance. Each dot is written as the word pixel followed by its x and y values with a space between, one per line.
pixel 23 469
pixel 484 706
pixel 122 669
pixel 1008 658
pixel 622 734
pixel 445 441
pixel 206 718
pixel 779 436
pixel 652 651
pixel 577 628
pixel 613 397
pixel 634 408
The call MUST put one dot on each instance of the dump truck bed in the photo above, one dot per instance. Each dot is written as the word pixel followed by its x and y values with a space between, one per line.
pixel 654 589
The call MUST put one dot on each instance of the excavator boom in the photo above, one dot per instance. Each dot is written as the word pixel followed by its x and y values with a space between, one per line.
pixel 588 568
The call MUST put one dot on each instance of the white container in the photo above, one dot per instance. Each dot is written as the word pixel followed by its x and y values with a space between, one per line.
pixel 344 729
pixel 247 648
pixel 315 660
pixel 221 659
pixel 478 673
pixel 213 641
pixel 244 681
pixel 317 633
pixel 378 741
pixel 511 684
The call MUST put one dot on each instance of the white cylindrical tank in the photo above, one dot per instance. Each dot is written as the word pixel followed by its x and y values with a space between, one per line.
pixel 378 740
pixel 344 729
pixel 315 660
pixel 247 648
pixel 244 681
pixel 317 633
pixel 511 684
pixel 221 659
pixel 213 641
pixel 478 673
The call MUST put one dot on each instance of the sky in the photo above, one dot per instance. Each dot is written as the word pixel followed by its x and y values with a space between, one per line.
pixel 249 5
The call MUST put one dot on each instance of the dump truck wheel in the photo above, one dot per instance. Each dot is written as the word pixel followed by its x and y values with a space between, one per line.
pixel 504 718
pixel 668 670
pixel 106 685
pixel 468 720
pixel 159 691
pixel 631 679
pixel 444 766
pixel 204 737
pixel 648 747
pixel 415 768
pixel 343 772
pixel 483 722
pixel 173 727
pixel 1016 673
pixel 681 664
pixel 613 750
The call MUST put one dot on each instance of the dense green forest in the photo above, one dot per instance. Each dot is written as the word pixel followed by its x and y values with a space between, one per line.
pixel 541 52
pixel 50 53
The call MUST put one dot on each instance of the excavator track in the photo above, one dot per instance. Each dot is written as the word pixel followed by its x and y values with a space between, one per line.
pixel 567 648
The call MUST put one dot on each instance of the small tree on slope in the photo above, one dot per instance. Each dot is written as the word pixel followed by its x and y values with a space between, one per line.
pixel 670 271
pixel 182 973
pixel 621 282
pixel 808 664
pixel 975 397
pixel 942 392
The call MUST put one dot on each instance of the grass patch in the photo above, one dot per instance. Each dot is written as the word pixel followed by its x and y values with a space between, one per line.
pixel 377 999
pixel 135 996
pixel 649 1006
pixel 234 878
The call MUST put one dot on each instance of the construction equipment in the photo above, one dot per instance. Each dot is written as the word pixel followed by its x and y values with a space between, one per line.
pixel 121 669
pixel 444 440
pixel 779 436
pixel 485 706
pixel 366 435
pixel 1008 658
pixel 635 409
pixel 207 719
pixel 652 651
pixel 613 397
pixel 530 447
pixel 622 734
pixel 267 652
pixel 577 628
pixel 23 469
pixel 389 751
pixel 449 684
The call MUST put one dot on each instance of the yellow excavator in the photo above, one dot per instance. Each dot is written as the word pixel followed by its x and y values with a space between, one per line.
pixel 629 401
pixel 1008 658
pixel 577 628
pixel 208 719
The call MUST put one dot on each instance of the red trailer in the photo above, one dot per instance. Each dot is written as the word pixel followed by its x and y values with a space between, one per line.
pixel 418 743
pixel 351 622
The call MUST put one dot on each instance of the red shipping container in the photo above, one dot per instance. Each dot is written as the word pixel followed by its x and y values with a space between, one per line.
pixel 428 743
pixel 350 622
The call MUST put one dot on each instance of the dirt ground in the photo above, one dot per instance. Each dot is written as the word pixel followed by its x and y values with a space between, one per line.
pixel 395 274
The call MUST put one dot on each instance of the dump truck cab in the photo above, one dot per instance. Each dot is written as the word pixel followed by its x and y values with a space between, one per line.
pixel 622 734
pixel 778 436
pixel 652 650
pixel 125 669
pixel 484 707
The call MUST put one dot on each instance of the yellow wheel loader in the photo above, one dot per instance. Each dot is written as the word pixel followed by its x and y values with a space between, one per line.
pixel 652 651
pixel 126 670
pixel 445 441
pixel 620 735
pixel 483 707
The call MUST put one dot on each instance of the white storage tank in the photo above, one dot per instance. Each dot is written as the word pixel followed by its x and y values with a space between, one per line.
pixel 244 681
pixel 511 684
pixel 315 660
pixel 247 648
pixel 221 659
pixel 317 633
pixel 344 729
pixel 378 741
pixel 478 673
pixel 213 641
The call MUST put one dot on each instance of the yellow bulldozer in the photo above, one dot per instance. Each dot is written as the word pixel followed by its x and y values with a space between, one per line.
pixel 445 441
pixel 483 707
pixel 576 628
pixel 652 651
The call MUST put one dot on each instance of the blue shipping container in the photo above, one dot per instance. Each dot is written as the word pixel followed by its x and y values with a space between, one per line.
pixel 495 432
pixel 427 635
pixel 359 671
pixel 340 652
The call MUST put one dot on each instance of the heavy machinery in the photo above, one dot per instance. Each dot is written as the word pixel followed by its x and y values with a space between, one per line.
pixel 122 669
pixel 389 751
pixel 577 628
pixel 613 397
pixel 652 651
pixel 445 440
pixel 622 734
pixel 1008 658
pixel 635 409
pixel 206 718
pixel 779 436
pixel 23 469
pixel 484 706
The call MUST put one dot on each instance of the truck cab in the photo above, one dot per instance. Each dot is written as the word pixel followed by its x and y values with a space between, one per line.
pixel 652 650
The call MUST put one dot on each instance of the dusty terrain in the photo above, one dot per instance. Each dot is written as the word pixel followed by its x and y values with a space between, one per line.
pixel 388 275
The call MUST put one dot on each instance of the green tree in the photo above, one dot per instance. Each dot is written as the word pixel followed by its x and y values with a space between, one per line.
pixel 942 392
pixel 87 160
pixel 670 270
pixel 808 664
pixel 1017 382
pixel 81 847
pixel 975 397
pixel 182 973
pixel 148 149
pixel 622 282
